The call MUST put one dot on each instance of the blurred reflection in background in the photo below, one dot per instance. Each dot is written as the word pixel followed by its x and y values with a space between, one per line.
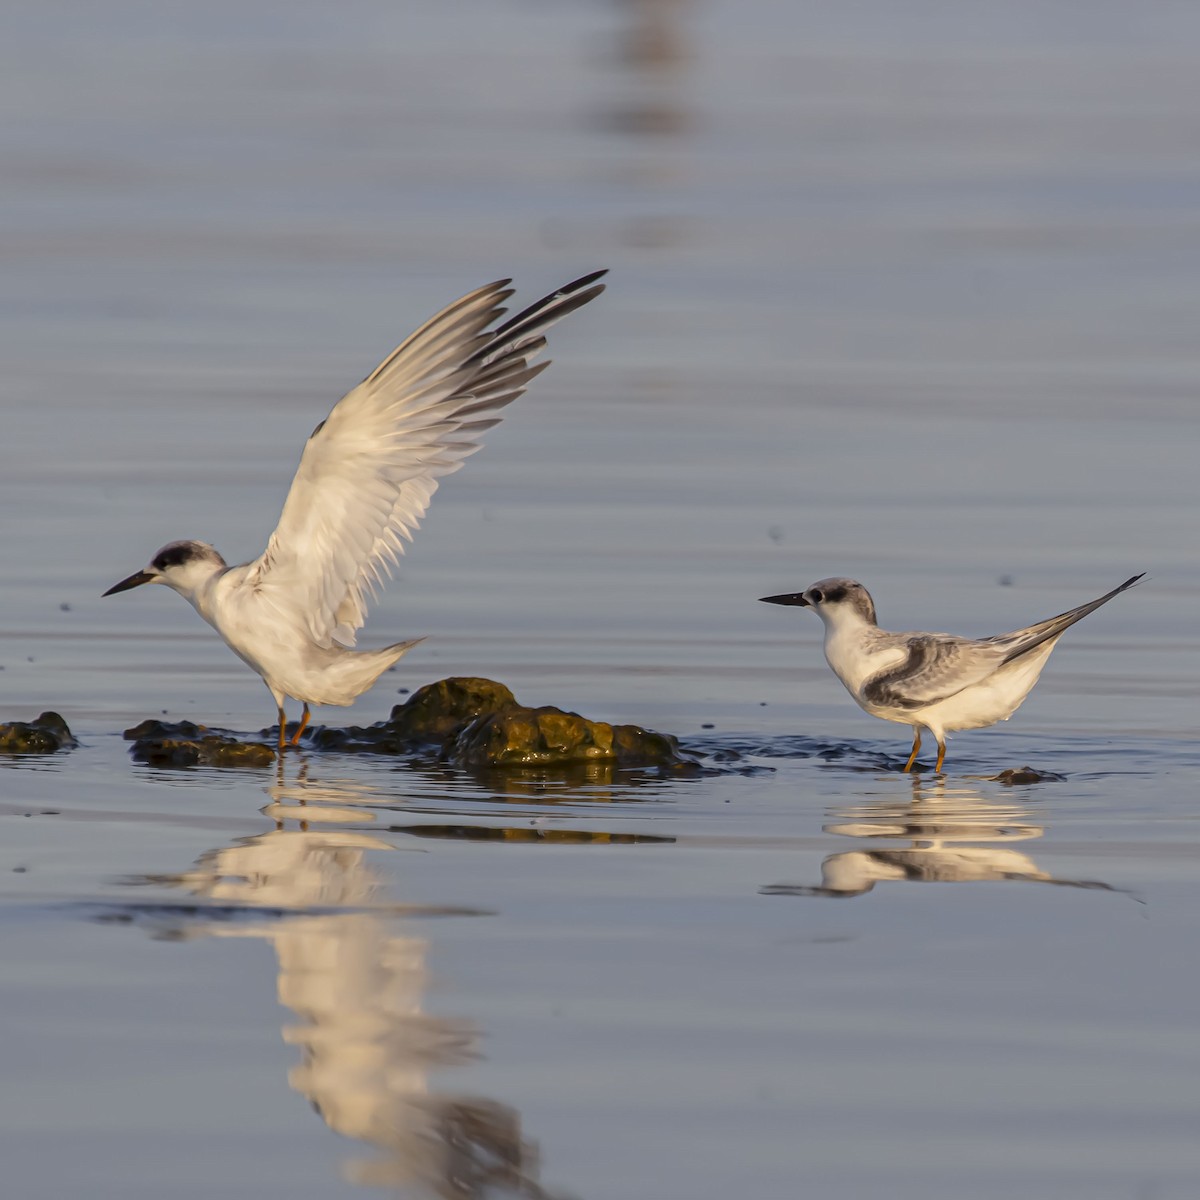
pixel 653 50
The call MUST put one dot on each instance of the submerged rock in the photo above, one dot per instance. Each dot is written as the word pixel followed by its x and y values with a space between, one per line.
pixel 1019 775
pixel 478 723
pixel 184 744
pixel 152 728
pixel 43 735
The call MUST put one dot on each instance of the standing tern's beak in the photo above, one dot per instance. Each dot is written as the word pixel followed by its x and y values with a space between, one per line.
pixel 796 598
pixel 134 580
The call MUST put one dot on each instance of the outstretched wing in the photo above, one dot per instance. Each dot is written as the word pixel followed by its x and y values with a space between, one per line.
pixel 935 665
pixel 370 468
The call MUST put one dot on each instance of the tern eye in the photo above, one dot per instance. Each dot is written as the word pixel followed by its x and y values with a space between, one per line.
pixel 816 596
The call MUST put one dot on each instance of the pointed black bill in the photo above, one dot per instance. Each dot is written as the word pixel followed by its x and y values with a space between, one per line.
pixel 134 580
pixel 796 598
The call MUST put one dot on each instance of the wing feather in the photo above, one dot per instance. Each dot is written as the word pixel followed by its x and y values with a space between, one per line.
pixel 939 665
pixel 935 666
pixel 370 469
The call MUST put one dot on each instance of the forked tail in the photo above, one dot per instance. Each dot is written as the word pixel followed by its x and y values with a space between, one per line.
pixel 1025 640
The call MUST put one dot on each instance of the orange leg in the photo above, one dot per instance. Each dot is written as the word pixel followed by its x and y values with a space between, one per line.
pixel 941 756
pixel 282 728
pixel 912 758
pixel 303 725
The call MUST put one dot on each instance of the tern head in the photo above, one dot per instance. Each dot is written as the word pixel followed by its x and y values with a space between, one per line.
pixel 180 565
pixel 835 601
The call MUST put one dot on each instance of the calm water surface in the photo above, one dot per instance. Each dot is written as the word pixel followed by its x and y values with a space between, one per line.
pixel 906 297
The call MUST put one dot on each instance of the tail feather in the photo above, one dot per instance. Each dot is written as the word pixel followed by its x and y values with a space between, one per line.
pixel 1024 640
pixel 352 672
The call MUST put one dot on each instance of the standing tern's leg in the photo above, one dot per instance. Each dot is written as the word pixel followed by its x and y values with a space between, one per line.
pixel 282 728
pixel 912 758
pixel 941 755
pixel 303 723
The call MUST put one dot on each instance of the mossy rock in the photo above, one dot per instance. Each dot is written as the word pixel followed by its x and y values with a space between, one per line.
pixel 430 717
pixel 436 712
pixel 477 722
pixel 152 728
pixel 184 744
pixel 43 735
pixel 537 737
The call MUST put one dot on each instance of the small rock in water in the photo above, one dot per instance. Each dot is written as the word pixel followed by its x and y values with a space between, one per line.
pixel 43 735
pixel 1018 775
pixel 184 744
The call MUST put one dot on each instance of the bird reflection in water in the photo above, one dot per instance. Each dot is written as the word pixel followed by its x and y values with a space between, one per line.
pixel 953 835
pixel 356 983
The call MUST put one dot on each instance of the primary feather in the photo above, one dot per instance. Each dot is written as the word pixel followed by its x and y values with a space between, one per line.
pixel 370 468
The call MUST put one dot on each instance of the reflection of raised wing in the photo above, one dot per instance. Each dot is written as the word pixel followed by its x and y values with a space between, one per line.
pixel 357 987
pixel 935 823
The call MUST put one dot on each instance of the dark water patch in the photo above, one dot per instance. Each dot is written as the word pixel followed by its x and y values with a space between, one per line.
pixel 898 866
pixel 741 746
pixel 528 834
pixel 738 751
pixel 111 913
pixel 1048 759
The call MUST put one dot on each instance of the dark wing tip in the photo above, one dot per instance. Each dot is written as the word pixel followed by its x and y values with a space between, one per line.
pixel 584 280
pixel 561 302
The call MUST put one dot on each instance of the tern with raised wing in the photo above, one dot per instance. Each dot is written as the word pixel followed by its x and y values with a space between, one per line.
pixel 364 482
pixel 934 681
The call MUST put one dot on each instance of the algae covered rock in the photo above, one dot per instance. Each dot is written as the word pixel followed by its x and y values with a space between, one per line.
pixel 430 717
pixel 184 744
pixel 43 735
pixel 535 737
pixel 438 711
pixel 151 728
pixel 478 723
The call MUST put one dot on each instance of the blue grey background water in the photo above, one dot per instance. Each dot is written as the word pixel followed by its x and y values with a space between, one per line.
pixel 906 293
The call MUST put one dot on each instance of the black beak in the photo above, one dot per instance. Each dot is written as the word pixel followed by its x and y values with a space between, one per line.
pixel 795 598
pixel 134 580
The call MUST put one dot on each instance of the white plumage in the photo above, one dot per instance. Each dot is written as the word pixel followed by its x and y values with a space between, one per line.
pixel 935 681
pixel 364 482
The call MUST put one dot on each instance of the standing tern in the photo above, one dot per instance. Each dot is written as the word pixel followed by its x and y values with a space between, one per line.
pixel 934 681
pixel 364 482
